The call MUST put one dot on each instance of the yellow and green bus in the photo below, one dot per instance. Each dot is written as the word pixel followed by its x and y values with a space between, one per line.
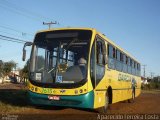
pixel 80 67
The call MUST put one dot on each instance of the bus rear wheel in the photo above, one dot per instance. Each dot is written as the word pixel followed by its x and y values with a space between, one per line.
pixel 103 109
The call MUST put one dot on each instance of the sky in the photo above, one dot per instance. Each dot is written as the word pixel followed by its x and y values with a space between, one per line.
pixel 134 25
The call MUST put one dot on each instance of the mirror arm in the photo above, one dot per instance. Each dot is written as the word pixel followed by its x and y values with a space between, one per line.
pixel 24 50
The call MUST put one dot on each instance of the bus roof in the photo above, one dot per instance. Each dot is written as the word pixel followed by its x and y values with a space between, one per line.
pixel 95 31
pixel 67 28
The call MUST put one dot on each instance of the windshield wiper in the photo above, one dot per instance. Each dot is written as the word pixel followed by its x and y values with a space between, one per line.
pixel 51 70
pixel 41 69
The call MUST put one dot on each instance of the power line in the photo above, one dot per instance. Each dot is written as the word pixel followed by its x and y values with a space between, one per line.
pixel 21 11
pixel 9 28
pixel 12 34
pixel 152 74
pixel 25 10
pixel 144 70
pixel 11 40
pixel 14 8
pixel 16 39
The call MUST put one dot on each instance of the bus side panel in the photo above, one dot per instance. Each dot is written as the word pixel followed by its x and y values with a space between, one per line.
pixel 138 88
pixel 121 95
pixel 99 98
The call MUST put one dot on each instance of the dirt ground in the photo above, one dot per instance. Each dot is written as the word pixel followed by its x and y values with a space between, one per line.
pixel 13 105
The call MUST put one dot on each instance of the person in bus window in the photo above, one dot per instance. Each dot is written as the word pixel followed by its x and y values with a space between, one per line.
pixel 82 66
pixel 82 61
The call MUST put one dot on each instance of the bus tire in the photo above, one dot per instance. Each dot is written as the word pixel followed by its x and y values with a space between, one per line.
pixel 132 100
pixel 103 110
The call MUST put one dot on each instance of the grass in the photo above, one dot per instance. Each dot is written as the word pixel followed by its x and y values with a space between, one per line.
pixel 7 108
pixel 153 91
pixel 13 101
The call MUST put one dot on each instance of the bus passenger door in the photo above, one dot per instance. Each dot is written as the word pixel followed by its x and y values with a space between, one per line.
pixel 97 67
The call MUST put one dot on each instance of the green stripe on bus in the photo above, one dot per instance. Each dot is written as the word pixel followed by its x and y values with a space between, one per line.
pixel 82 101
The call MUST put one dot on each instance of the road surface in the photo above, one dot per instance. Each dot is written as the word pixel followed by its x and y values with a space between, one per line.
pixel 14 105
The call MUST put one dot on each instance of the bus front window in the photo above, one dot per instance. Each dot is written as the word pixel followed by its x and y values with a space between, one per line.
pixel 60 57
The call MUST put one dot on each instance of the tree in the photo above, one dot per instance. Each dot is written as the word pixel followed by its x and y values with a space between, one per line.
pixel 6 68
pixel 1 67
pixel 24 73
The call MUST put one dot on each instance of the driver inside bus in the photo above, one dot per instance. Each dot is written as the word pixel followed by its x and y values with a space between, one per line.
pixel 82 61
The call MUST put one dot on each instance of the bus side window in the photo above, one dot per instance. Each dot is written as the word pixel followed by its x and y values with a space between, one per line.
pixel 138 69
pixel 100 67
pixel 132 66
pixel 97 66
pixel 121 59
pixel 99 53
pixel 124 63
pixel 135 68
pixel 111 56
pixel 92 65
pixel 129 65
pixel 117 61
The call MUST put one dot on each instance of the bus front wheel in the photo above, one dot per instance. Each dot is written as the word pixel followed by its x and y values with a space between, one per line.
pixel 103 109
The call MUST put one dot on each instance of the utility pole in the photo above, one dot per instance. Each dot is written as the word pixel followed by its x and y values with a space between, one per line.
pixel 49 23
pixel 144 71
pixel 152 74
pixel 16 67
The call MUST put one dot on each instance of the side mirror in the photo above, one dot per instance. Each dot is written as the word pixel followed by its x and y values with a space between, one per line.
pixel 24 55
pixel 24 50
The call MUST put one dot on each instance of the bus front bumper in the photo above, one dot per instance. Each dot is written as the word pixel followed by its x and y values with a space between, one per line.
pixel 80 101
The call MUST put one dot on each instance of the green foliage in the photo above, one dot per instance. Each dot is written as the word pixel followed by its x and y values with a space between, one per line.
pixel 6 68
pixel 24 73
pixel 151 85
pixel 13 100
pixel 1 68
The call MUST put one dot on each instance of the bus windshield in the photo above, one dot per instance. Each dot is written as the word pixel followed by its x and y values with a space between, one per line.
pixel 60 57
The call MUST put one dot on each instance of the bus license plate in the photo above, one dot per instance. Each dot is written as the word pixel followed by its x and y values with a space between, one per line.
pixel 53 97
